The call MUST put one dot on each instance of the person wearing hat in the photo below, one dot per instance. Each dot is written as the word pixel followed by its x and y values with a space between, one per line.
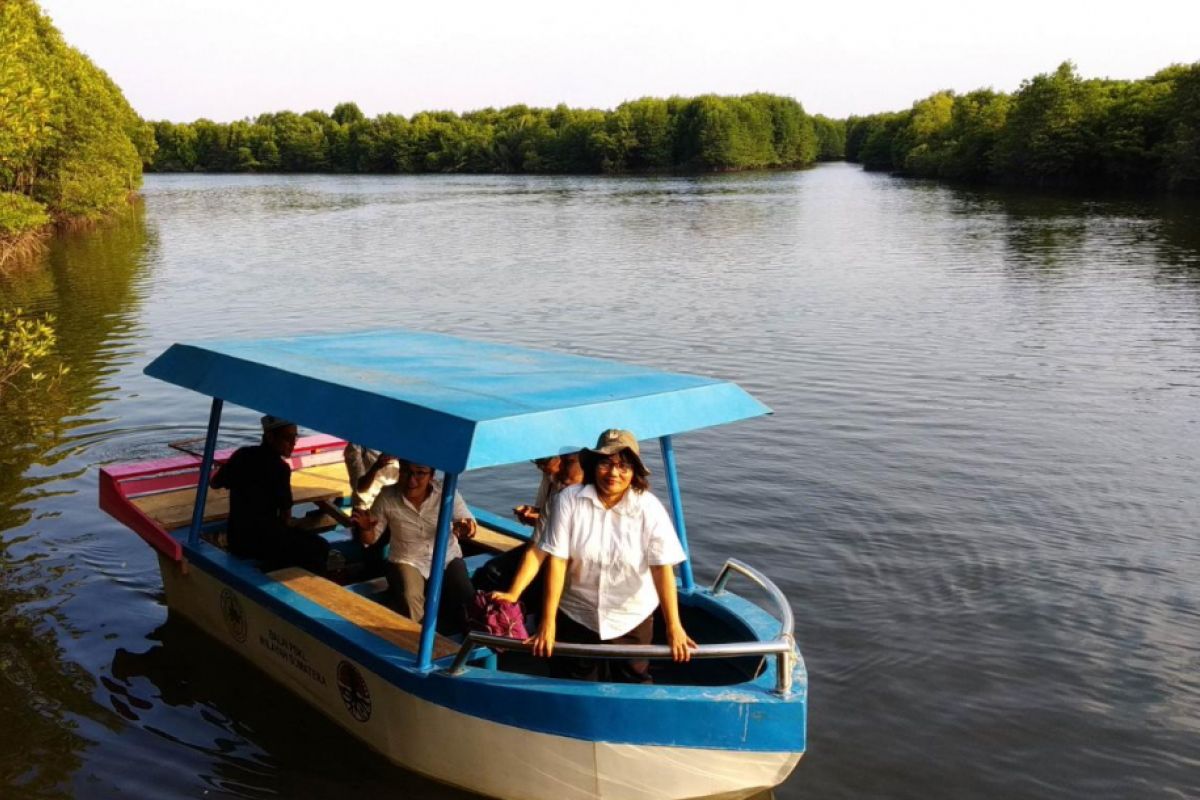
pixel 259 480
pixel 611 549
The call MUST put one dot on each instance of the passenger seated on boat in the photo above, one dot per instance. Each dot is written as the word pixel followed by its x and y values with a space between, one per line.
pixel 260 503
pixel 409 509
pixel 369 472
pixel 612 549
pixel 509 576
pixel 531 515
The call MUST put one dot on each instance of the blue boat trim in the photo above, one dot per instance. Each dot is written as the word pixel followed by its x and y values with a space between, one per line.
pixel 206 463
pixel 448 402
pixel 678 716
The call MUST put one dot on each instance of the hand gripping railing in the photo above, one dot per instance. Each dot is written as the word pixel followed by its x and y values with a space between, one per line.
pixel 783 647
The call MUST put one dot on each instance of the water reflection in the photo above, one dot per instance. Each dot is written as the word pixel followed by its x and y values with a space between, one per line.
pixel 1049 232
pixel 89 282
pixel 244 725
pixel 976 489
pixel 42 694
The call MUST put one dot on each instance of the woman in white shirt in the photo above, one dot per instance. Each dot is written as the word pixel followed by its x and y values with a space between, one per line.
pixel 409 510
pixel 611 549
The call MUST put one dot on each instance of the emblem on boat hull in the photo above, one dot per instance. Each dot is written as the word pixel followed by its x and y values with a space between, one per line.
pixel 234 616
pixel 354 691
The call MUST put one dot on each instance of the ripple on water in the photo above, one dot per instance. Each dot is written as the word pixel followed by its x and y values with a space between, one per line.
pixel 976 487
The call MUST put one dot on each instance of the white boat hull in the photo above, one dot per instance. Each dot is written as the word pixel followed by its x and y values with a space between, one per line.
pixel 483 756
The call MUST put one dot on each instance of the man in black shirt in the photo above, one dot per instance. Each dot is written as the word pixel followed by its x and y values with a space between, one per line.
pixel 259 481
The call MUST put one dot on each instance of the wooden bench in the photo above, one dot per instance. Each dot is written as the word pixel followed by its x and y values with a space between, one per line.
pixel 174 509
pixel 366 614
pixel 494 541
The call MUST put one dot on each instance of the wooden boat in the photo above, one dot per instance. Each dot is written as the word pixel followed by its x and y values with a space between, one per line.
pixel 731 723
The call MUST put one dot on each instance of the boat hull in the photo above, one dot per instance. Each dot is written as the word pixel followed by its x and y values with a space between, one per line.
pixel 482 755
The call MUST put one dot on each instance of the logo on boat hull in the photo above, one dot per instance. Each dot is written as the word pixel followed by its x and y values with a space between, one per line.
pixel 354 691
pixel 234 616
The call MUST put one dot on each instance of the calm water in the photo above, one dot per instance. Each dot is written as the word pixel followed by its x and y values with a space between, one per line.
pixel 978 487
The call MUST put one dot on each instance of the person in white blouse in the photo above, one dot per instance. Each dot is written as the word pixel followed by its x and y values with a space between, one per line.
pixel 518 568
pixel 409 510
pixel 369 472
pixel 611 549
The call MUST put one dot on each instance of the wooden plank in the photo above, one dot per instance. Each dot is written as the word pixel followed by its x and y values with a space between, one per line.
pixel 367 614
pixel 174 509
pixel 494 540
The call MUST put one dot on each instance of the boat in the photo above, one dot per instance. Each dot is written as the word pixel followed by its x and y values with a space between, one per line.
pixel 479 711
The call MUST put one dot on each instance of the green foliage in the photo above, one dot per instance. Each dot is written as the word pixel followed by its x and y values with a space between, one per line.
pixel 26 347
pixel 831 138
pixel 19 213
pixel 879 140
pixel 69 141
pixel 1050 134
pixel 1058 129
pixel 1180 147
pixel 703 133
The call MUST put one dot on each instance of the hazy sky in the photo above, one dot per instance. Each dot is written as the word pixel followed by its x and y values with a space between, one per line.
pixel 184 59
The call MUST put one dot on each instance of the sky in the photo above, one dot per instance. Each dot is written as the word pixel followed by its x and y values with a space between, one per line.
pixel 225 59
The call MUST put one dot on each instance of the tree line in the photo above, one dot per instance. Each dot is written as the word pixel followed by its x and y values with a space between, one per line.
pixel 755 131
pixel 71 146
pixel 1056 130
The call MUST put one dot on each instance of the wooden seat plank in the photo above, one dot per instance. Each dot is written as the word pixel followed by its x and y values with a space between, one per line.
pixel 367 614
pixel 174 509
pixel 493 540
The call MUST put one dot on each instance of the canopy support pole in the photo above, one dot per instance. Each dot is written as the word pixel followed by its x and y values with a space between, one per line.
pixel 206 462
pixel 668 457
pixel 437 569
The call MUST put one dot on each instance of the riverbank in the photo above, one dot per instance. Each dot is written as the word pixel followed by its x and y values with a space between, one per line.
pixel 20 247
pixel 707 133
pixel 71 146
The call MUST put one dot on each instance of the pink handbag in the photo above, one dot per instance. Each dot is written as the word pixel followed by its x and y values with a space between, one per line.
pixel 497 617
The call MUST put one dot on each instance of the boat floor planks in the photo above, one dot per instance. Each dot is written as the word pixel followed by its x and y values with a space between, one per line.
pixel 367 614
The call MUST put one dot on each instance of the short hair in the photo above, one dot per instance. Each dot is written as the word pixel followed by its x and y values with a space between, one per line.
pixel 588 459
pixel 406 466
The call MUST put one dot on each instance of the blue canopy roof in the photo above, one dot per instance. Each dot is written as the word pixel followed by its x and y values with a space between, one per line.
pixel 451 403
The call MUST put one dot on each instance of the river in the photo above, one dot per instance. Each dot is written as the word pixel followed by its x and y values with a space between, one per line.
pixel 977 488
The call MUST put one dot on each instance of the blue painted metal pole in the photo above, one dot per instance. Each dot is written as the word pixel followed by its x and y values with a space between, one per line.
pixel 210 447
pixel 437 568
pixel 668 456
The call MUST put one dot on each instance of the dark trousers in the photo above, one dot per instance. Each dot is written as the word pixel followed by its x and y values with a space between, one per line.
pixel 375 555
pixel 601 669
pixel 408 588
pixel 279 546
pixel 498 573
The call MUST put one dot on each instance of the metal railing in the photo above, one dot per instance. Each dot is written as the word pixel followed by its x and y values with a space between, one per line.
pixel 783 647
pixel 787 624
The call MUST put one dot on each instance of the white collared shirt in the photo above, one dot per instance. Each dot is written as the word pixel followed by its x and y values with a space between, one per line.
pixel 609 588
pixel 414 529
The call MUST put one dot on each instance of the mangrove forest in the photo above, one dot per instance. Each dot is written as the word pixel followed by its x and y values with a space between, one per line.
pixel 1056 130
pixel 708 133
pixel 71 147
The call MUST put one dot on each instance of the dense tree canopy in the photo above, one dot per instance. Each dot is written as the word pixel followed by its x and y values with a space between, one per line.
pixel 702 133
pixel 1058 129
pixel 70 144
